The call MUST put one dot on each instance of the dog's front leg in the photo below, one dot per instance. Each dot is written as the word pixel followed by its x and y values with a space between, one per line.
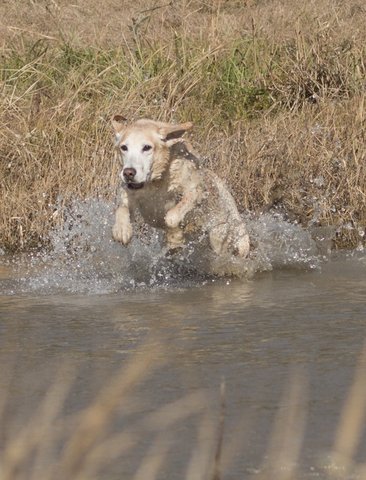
pixel 122 229
pixel 176 215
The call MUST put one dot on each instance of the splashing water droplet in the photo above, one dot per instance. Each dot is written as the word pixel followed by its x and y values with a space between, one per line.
pixel 83 258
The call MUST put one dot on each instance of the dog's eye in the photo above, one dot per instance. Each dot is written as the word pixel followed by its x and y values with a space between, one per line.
pixel 124 148
pixel 146 148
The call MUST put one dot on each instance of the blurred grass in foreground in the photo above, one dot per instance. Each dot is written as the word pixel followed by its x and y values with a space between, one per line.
pixel 98 440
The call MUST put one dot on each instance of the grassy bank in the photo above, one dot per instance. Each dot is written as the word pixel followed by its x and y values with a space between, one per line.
pixel 276 93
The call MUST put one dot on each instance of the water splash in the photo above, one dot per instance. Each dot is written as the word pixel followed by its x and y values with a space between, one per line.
pixel 83 258
pixel 280 244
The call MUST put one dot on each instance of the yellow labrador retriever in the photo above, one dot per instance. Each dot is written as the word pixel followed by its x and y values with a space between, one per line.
pixel 163 181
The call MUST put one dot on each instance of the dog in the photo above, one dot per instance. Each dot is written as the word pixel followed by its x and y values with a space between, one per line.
pixel 162 179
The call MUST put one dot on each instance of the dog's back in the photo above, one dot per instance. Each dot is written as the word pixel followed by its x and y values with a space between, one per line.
pixel 215 209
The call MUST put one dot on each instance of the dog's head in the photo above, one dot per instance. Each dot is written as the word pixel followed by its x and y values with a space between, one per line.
pixel 143 147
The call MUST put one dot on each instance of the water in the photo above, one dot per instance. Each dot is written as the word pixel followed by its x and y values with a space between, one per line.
pixel 85 308
pixel 83 258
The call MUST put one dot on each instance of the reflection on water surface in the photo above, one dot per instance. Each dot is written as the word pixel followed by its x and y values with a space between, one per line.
pixel 250 332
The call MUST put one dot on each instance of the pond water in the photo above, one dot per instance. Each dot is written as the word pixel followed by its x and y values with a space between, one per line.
pixel 298 322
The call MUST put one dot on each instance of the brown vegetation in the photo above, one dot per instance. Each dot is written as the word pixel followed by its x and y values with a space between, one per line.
pixel 276 91
pixel 97 440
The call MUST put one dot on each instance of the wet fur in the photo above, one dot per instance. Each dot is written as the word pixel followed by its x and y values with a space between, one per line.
pixel 179 197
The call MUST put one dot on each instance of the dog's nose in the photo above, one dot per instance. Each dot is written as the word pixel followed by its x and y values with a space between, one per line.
pixel 129 173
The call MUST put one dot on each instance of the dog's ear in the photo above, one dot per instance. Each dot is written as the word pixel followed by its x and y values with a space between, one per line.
pixel 170 133
pixel 119 123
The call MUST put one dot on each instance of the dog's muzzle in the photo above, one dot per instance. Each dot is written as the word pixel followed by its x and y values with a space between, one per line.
pixel 134 185
pixel 128 175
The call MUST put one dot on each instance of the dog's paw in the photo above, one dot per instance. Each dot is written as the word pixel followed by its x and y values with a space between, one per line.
pixel 172 219
pixel 174 239
pixel 122 233
pixel 243 246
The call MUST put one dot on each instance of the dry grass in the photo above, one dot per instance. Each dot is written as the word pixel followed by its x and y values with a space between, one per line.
pixel 100 439
pixel 96 441
pixel 276 92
